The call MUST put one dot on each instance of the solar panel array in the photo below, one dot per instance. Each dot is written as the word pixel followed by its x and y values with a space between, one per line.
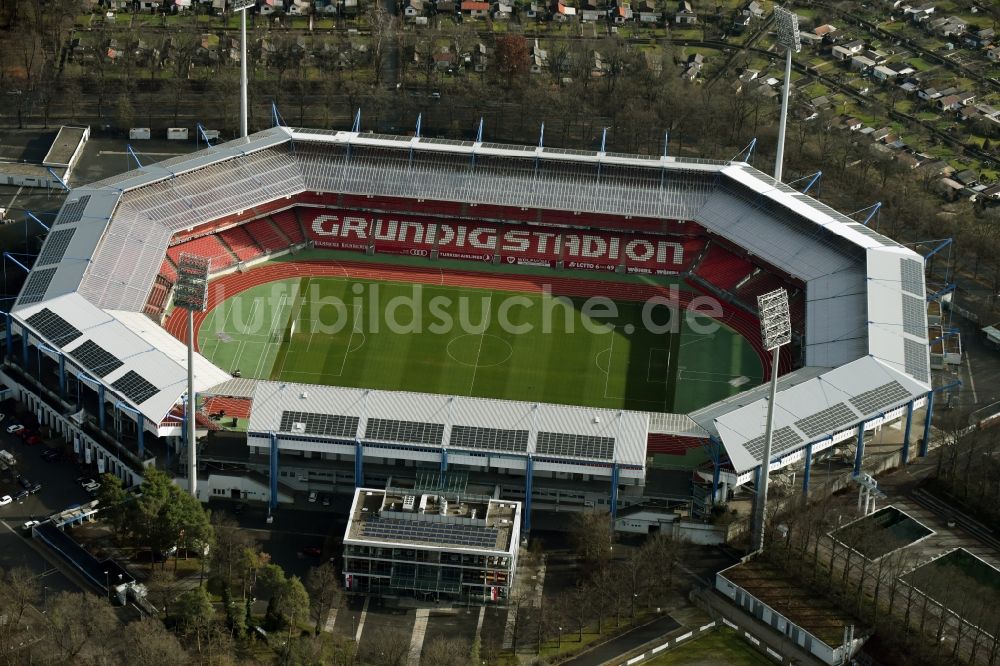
pixel 55 246
pixel 911 276
pixel 72 211
pixel 914 316
pixel 880 397
pixel 578 446
pixel 784 438
pixel 826 420
pixel 36 286
pixel 96 358
pixel 53 328
pixel 915 360
pixel 411 432
pixel 446 534
pixel 489 439
pixel 328 425
pixel 135 387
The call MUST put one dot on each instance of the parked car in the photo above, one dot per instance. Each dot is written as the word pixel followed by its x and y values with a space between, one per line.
pixel 312 551
pixel 326 500
pixel 24 482
pixel 312 496
pixel 5 500
pixel 14 428
pixel 28 525
pixel 34 440
pixel 20 494
pixel 50 455
pixel 92 488
pixel 35 487
pixel 85 481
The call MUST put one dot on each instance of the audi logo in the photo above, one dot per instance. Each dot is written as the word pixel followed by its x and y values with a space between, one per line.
pixel 419 253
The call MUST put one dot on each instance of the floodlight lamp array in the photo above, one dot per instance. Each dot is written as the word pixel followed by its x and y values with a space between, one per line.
pixel 242 5
pixel 787 24
pixel 191 290
pixel 775 321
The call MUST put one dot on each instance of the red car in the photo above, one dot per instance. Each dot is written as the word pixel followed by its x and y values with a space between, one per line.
pixel 33 440
pixel 312 551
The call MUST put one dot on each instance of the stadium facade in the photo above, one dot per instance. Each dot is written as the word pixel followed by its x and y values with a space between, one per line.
pixel 86 349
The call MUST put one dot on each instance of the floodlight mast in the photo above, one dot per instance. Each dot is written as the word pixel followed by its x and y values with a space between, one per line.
pixel 776 332
pixel 191 294
pixel 787 24
pixel 242 6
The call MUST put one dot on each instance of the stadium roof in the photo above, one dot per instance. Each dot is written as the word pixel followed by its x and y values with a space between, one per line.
pixel 864 292
pixel 432 420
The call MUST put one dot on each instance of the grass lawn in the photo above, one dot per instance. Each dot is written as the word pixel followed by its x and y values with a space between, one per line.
pixel 476 342
pixel 722 646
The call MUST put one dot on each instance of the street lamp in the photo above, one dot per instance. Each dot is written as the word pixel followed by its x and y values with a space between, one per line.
pixel 776 331
pixel 191 294
pixel 107 585
pixel 787 24
pixel 559 640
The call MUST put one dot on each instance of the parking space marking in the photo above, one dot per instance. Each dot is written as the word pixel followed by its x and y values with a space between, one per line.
pixel 361 621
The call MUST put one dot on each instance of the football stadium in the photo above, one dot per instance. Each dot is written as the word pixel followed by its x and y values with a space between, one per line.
pixel 489 320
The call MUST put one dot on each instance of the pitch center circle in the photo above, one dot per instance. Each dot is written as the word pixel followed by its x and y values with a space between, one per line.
pixel 482 351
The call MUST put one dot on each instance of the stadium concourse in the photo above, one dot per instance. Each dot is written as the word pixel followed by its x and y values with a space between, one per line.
pixel 87 348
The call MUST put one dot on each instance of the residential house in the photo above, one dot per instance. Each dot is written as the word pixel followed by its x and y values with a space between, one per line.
pixel 563 12
pixel 824 30
pixel 821 102
pixel 350 7
pixel 685 14
pixel 621 13
pixel 502 11
pixel 928 94
pixel 880 134
pixel 647 11
pixel 444 58
pixel 968 177
pixel 853 124
pixel 539 58
pixel 591 15
pixel 878 57
pixel 599 67
pixel 948 103
pixel 474 9
pixel 883 73
pixel 951 26
pixel 860 63
pixel 968 113
pixel 993 54
pixel 845 51
pixel 755 9
pixel 480 57
pixel 909 87
pixel 414 8
pixel 979 38
pixel 809 39
pixel 991 192
pixel 446 6
pixel 919 14
pixel 966 98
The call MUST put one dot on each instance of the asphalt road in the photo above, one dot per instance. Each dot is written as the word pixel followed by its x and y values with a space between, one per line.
pixel 626 642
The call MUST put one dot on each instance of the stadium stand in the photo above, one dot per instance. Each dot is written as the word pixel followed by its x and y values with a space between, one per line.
pixel 158 297
pixel 205 246
pixel 168 271
pixel 241 243
pixel 266 234
pixel 722 268
pixel 759 283
pixel 238 407
pixel 674 445
pixel 288 222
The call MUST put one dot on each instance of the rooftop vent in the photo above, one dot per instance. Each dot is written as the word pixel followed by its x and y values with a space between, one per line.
pixel 299 427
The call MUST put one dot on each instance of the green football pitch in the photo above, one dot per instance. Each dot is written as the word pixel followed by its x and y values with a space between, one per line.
pixel 475 342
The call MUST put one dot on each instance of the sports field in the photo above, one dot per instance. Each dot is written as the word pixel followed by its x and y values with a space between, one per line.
pixel 475 342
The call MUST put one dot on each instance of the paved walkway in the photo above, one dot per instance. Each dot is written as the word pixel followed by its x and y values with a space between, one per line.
pixel 417 637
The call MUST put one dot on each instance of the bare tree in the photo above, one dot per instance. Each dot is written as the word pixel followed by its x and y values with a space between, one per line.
pixel 442 651
pixel 323 585
pixel 387 648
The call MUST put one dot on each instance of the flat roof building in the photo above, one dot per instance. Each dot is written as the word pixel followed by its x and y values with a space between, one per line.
pixel 431 545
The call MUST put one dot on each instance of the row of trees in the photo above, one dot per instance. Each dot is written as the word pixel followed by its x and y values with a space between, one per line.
pixel 886 590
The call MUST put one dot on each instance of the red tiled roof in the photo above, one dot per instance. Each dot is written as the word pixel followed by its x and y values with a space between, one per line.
pixel 471 6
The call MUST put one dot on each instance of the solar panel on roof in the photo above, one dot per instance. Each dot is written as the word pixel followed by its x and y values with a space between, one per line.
pixel 489 439
pixel 36 286
pixel 784 438
pixel 328 425
pixel 96 359
pixel 914 316
pixel 827 420
pixel 53 328
pixel 135 387
pixel 449 534
pixel 915 360
pixel 880 397
pixel 55 246
pixel 411 432
pixel 577 446
pixel 911 276
pixel 72 211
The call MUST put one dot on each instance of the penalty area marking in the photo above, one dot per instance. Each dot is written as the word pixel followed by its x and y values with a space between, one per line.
pixel 350 341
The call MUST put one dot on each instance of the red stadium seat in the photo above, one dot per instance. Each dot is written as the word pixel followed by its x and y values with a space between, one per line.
pixel 266 234
pixel 241 243
pixel 289 225
pixel 722 268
